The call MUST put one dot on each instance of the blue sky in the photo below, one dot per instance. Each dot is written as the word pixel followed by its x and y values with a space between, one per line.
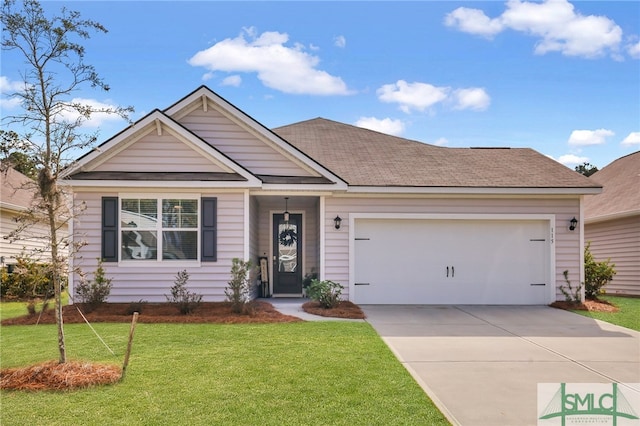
pixel 560 77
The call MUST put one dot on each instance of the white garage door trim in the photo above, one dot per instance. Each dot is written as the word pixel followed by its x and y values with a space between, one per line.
pixel 548 218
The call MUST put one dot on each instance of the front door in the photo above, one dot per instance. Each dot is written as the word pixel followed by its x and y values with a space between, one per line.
pixel 287 254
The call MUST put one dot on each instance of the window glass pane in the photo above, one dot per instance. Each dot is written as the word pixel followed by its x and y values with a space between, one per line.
pixel 179 245
pixel 139 245
pixel 179 213
pixel 287 247
pixel 139 213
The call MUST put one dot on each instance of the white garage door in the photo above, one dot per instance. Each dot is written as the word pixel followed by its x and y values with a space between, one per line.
pixel 451 261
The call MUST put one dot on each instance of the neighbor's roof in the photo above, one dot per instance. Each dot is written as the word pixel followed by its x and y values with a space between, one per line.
pixel 621 189
pixel 16 190
pixel 367 158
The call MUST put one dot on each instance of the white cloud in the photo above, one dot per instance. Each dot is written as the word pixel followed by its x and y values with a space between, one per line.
pixel 280 67
pixel 412 96
pixel 9 103
pixel 384 125
pixel 340 41
pixel 633 49
pixel 473 21
pixel 232 80
pixel 571 160
pixel 7 86
pixel 589 137
pixel 558 27
pixel 632 138
pixel 421 96
pixel 98 118
pixel 441 142
pixel 208 76
pixel 474 98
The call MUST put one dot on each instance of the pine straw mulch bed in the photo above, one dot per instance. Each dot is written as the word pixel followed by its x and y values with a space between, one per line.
pixel 52 375
pixel 595 305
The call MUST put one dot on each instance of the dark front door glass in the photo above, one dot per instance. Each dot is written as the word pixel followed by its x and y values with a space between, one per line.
pixel 287 243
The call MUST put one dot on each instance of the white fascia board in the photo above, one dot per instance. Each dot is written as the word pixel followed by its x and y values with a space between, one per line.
pixel 157 184
pixel 470 190
pixel 303 187
pixel 251 125
pixel 12 207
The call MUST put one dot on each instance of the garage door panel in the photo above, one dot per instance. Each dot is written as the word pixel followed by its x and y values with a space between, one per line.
pixel 451 261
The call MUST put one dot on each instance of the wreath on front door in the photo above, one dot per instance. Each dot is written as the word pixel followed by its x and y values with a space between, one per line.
pixel 288 237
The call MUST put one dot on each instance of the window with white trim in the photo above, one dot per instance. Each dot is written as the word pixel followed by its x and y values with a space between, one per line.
pixel 159 229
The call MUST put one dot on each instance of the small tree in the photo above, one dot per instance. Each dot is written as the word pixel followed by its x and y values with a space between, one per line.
pixel 94 293
pixel 596 274
pixel 586 169
pixel 49 119
pixel 185 300
pixel 239 290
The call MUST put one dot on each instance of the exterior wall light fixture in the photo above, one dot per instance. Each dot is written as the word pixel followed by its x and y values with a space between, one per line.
pixel 337 222
pixel 572 224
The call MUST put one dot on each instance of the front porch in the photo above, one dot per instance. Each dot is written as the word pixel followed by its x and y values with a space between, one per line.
pixel 284 237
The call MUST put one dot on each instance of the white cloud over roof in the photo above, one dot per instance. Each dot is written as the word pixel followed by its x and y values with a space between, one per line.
pixel 632 138
pixel 384 125
pixel 289 69
pixel 420 96
pixel 589 137
pixel 555 23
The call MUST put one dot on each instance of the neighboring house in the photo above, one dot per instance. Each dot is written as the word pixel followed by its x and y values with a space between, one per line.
pixel 393 220
pixel 16 196
pixel 612 222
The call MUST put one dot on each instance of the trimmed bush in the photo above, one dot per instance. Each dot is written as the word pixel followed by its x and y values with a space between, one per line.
pixel 596 274
pixel 183 299
pixel 326 292
pixel 94 293
pixel 239 290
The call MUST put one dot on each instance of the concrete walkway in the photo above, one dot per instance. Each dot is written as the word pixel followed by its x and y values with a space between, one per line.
pixel 293 307
pixel 481 364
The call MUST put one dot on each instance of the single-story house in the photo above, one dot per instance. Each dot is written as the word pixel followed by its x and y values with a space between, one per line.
pixel 17 194
pixel 394 221
pixel 612 222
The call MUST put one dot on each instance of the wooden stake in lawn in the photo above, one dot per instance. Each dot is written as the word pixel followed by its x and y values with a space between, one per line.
pixel 134 320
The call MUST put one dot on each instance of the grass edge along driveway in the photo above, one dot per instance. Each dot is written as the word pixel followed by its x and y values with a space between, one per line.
pixel 628 316
pixel 312 373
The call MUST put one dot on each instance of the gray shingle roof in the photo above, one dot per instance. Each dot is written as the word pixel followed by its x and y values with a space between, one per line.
pixel 367 158
pixel 621 188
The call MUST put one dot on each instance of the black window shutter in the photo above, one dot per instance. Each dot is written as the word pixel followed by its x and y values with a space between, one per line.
pixel 110 229
pixel 209 229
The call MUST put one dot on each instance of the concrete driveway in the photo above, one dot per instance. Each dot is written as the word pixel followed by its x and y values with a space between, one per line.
pixel 481 364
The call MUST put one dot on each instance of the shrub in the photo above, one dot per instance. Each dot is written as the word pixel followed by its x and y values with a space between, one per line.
pixel 239 290
pixel 308 279
pixel 29 280
pixel 596 274
pixel 326 292
pixel 570 295
pixel 183 299
pixel 96 292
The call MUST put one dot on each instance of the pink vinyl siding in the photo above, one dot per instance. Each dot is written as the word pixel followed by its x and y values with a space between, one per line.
pixel 153 153
pixel 567 243
pixel 240 145
pixel 618 240
pixel 151 282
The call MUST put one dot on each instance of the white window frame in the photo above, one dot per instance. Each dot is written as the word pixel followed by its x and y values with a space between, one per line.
pixel 159 261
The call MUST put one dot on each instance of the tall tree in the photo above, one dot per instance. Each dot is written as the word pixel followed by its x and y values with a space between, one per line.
pixel 49 121
pixel 586 169
pixel 16 159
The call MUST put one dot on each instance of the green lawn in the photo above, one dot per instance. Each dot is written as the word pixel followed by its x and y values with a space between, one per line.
pixel 628 316
pixel 312 373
